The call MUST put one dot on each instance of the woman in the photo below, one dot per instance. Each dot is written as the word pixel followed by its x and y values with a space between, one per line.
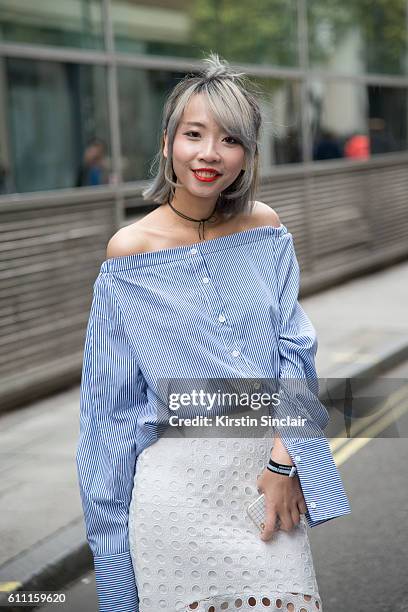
pixel 204 286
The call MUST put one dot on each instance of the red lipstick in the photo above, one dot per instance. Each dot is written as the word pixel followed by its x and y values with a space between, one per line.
pixel 206 179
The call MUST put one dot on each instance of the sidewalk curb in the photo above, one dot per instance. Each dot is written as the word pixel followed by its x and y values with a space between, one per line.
pixel 49 565
pixel 64 556
pixel 392 356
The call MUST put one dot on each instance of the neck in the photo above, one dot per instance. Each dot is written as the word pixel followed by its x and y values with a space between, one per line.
pixel 197 209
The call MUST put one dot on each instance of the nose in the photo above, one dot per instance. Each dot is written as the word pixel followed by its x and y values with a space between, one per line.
pixel 209 151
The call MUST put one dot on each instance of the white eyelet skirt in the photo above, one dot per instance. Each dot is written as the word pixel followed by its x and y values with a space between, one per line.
pixel 193 546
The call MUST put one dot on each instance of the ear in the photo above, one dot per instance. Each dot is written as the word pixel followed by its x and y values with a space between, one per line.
pixel 165 144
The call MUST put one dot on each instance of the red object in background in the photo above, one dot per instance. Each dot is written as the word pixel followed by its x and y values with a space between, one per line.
pixel 357 147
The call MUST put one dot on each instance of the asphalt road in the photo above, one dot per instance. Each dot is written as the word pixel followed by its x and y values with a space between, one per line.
pixel 360 559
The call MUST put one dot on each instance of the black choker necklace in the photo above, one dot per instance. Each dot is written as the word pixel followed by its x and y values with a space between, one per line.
pixel 199 221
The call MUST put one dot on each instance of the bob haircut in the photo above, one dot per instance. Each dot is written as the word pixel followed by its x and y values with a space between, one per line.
pixel 235 108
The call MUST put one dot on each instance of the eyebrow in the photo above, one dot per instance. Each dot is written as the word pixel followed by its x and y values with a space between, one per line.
pixel 194 123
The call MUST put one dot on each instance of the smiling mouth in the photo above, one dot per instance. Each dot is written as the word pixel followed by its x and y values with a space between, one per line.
pixel 206 177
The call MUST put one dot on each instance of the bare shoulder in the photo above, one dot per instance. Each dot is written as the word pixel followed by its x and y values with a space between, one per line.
pixel 263 214
pixel 128 240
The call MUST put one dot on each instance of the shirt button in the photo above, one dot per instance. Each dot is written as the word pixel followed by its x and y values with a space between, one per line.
pixel 298 458
pixel 256 385
pixel 206 279
pixel 193 251
pixel 221 318
pixel 312 504
pixel 235 353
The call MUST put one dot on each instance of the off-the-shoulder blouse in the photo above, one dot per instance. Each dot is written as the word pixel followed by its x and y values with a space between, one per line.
pixel 223 308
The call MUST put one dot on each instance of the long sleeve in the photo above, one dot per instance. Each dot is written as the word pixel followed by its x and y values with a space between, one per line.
pixel 299 388
pixel 111 396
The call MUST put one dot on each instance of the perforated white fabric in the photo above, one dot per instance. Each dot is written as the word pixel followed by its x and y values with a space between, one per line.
pixel 289 602
pixel 192 544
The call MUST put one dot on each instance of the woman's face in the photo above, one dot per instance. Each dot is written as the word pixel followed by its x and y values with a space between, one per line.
pixel 205 146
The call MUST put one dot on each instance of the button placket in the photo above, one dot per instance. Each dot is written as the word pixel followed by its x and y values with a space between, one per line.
pixel 213 300
pixel 233 346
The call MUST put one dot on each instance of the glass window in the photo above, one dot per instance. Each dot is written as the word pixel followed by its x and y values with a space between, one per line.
pixel 142 95
pixel 387 119
pixel 5 177
pixel 263 32
pixel 77 23
pixel 281 138
pixel 58 125
pixel 358 37
pixel 356 121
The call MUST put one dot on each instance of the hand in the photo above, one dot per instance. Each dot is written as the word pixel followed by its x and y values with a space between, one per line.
pixel 283 498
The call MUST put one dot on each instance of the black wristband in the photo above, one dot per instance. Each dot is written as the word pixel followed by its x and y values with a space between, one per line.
pixel 279 465
pixel 280 468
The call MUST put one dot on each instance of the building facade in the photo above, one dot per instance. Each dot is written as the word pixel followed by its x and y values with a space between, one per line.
pixel 82 82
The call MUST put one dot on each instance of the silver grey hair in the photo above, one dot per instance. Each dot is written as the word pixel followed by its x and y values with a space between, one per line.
pixel 236 110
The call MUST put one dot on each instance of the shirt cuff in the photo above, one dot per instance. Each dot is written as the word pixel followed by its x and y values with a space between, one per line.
pixel 320 480
pixel 115 583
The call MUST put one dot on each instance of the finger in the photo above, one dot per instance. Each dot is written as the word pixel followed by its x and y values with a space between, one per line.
pixel 302 507
pixel 271 525
pixel 286 521
pixel 295 516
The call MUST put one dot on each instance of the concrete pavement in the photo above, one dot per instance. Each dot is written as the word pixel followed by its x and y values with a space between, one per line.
pixel 362 328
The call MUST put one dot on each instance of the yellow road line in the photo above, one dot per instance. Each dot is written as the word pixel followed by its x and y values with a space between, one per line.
pixel 7 587
pixel 355 444
pixel 359 426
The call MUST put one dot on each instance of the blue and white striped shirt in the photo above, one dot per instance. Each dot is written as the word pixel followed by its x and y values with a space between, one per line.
pixel 224 308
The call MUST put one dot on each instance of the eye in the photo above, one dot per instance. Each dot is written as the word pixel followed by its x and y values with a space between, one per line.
pixel 229 137
pixel 234 139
